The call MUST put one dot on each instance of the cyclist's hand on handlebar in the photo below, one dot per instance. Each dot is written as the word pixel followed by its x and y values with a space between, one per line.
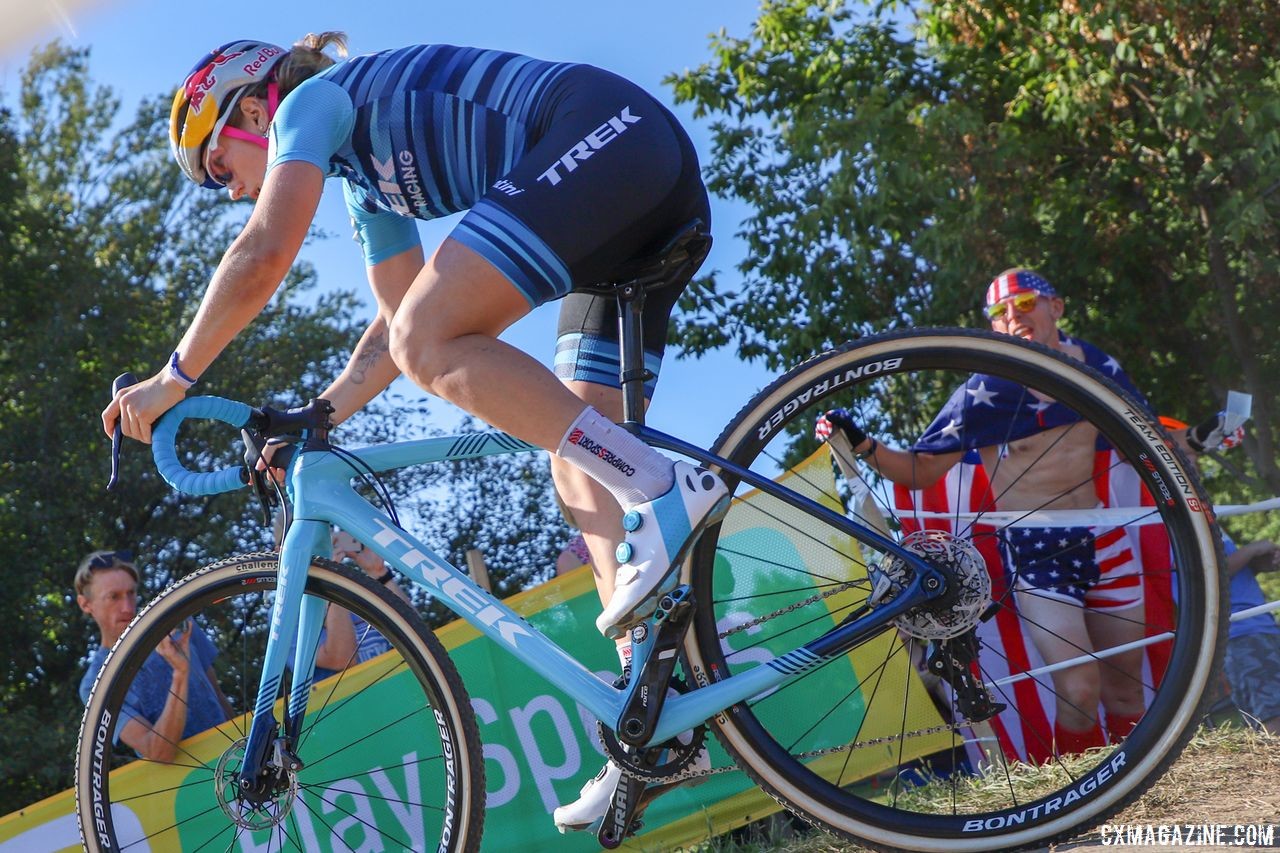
pixel 137 407
pixel 838 420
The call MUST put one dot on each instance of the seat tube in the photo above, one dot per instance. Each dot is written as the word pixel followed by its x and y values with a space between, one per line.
pixel 631 370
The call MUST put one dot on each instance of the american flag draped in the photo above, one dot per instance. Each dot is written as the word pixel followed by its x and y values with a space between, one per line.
pixel 988 411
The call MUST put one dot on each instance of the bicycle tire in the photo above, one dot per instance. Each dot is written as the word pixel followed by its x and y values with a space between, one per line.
pixel 391 750
pixel 806 751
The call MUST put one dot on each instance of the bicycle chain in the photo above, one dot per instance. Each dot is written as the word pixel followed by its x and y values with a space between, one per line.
pixel 789 608
pixel 818 753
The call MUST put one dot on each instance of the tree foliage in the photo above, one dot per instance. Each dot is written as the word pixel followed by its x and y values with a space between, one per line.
pixel 1127 150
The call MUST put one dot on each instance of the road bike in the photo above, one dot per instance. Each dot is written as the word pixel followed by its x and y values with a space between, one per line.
pixel 846 644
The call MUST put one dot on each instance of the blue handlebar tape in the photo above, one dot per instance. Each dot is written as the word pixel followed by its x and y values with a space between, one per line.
pixel 165 451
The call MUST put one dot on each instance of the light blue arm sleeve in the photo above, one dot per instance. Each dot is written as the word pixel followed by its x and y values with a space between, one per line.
pixel 381 233
pixel 313 122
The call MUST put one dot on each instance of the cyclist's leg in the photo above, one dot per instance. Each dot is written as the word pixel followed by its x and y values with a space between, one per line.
pixel 512 252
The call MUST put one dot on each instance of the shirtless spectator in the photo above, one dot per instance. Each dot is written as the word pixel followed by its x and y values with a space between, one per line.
pixel 1077 589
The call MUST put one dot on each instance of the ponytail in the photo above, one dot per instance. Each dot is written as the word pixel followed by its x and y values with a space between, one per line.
pixel 305 60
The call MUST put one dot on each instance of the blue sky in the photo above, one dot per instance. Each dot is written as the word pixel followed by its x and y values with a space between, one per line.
pixel 143 47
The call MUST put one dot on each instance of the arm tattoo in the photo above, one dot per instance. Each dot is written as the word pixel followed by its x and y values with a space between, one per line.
pixel 367 355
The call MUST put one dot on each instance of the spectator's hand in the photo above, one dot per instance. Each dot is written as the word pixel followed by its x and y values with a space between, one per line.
pixel 1266 558
pixel 1211 434
pixel 176 648
pixel 838 420
pixel 345 547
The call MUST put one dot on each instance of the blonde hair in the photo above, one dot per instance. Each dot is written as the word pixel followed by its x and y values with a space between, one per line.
pixel 101 561
pixel 305 60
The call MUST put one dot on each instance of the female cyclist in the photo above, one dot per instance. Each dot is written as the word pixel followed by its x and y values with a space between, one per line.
pixel 565 171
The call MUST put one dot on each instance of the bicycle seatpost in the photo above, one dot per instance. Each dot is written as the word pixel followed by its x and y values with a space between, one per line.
pixel 631 369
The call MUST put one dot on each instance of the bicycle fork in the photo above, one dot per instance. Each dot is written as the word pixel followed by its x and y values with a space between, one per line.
pixel 270 756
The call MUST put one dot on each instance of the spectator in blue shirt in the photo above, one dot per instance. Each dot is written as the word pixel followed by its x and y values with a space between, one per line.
pixel 175 694
pixel 1252 662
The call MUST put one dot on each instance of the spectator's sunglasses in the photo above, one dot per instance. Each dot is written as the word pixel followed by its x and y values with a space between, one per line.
pixel 1023 303
pixel 108 559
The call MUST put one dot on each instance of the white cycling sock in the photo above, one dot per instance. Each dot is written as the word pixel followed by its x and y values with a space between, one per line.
pixel 631 470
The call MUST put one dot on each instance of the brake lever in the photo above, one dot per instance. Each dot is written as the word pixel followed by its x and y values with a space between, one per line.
pixel 124 380
pixel 254 444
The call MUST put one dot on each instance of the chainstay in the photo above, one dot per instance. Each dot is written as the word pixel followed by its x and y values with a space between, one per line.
pixel 687 775
pixel 813 599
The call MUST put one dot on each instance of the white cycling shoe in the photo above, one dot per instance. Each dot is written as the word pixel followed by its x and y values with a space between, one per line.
pixel 660 533
pixel 587 812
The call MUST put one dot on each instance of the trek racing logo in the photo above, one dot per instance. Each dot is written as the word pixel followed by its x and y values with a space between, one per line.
pixel 603 453
pixel 402 186
pixel 590 144
pixel 464 597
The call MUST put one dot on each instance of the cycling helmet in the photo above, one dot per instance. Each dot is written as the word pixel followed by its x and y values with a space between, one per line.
pixel 204 101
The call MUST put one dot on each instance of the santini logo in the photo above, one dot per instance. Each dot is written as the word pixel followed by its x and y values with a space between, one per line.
pixel 593 142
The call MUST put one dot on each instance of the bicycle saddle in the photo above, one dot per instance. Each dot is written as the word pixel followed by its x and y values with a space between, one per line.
pixel 674 261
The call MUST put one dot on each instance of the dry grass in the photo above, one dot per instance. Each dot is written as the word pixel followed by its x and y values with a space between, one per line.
pixel 1225 775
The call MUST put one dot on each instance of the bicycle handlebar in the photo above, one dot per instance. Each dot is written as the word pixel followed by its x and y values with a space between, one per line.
pixel 165 451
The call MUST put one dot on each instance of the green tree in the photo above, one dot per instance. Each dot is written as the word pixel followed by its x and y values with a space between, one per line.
pixel 1126 150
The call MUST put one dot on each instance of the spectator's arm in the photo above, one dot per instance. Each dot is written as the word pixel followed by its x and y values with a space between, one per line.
pixel 1264 552
pixel 159 741
pixel 338 649
pixel 223 701
pixel 371 564
pixel 913 469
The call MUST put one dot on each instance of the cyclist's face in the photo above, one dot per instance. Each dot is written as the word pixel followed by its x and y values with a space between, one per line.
pixel 1038 323
pixel 111 598
pixel 239 165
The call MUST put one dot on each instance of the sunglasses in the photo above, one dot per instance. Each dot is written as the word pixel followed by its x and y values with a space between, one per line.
pixel 110 558
pixel 1022 303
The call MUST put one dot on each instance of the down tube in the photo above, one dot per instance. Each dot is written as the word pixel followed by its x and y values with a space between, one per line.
pixel 480 608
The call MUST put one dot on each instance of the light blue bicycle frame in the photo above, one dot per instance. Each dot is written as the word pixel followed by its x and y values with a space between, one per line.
pixel 320 485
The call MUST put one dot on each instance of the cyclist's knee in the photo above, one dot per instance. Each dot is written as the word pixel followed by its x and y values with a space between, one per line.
pixel 412 351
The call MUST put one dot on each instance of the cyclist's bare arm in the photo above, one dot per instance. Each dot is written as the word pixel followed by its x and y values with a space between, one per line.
pixel 370 368
pixel 246 279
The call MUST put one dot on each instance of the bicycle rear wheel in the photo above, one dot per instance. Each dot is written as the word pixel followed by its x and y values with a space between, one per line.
pixel 390 750
pixel 891 744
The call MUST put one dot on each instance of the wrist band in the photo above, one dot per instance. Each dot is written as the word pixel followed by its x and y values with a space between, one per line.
pixel 870 450
pixel 385 579
pixel 176 372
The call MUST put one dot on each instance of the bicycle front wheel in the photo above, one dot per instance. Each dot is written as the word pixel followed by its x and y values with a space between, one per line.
pixel 389 748
pixel 1063 671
